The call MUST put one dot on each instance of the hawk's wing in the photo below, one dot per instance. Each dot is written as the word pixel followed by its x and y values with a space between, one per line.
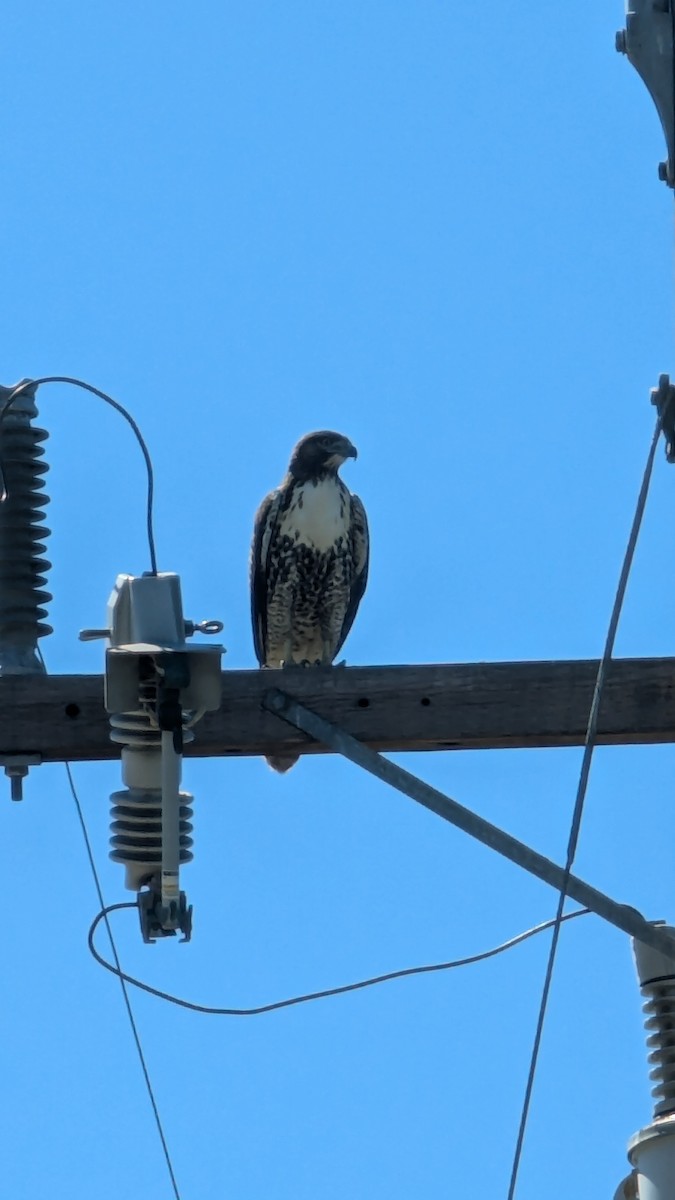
pixel 360 540
pixel 264 531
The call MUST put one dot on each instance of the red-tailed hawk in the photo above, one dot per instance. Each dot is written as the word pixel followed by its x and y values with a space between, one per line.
pixel 309 561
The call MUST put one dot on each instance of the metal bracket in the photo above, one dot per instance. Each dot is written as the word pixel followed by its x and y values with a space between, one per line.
pixel 648 41
pixel 621 915
pixel 663 397
pixel 159 920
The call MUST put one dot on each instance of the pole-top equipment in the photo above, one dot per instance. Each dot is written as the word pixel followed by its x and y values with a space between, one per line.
pixel 648 41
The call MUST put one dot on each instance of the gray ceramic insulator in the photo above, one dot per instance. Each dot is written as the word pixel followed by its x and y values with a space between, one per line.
pixel 656 972
pixel 22 536
pixel 137 818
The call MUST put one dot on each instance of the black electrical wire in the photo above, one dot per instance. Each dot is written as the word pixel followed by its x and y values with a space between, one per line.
pixel 88 387
pixel 589 747
pixel 308 996
pixel 123 985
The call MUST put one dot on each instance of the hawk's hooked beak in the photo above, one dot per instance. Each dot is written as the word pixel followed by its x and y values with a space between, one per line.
pixel 343 449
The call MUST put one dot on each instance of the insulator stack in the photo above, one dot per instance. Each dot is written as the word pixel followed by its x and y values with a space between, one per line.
pixel 136 812
pixel 136 833
pixel 134 729
pixel 656 973
pixel 651 1151
pixel 659 1010
pixel 22 535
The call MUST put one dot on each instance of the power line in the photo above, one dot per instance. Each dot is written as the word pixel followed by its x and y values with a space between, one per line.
pixel 304 999
pixel 589 747
pixel 122 979
pixel 88 387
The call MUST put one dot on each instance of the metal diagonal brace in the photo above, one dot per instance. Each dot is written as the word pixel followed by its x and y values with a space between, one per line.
pixel 621 915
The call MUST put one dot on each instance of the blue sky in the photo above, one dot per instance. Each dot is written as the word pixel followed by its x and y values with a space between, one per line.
pixel 438 229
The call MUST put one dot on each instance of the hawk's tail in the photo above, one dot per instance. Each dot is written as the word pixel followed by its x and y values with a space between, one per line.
pixel 281 762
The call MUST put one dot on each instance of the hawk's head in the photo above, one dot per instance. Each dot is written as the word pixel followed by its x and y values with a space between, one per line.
pixel 319 452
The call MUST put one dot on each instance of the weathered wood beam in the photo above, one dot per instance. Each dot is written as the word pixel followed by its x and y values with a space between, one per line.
pixel 466 706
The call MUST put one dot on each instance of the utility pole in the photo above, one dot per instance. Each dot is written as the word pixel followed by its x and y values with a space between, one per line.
pixel 156 688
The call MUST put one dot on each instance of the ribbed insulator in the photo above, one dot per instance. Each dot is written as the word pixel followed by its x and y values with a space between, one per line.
pixel 134 729
pixel 22 567
pixel 659 1010
pixel 136 817
pixel 136 829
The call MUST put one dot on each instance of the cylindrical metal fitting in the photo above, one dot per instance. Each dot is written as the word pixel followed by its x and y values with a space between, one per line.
pixel 652 1153
pixel 22 567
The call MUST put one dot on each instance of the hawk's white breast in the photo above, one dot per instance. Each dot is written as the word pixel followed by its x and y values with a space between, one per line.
pixel 318 514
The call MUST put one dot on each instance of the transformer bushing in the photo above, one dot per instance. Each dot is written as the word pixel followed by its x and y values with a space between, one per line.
pixel 22 535
pixel 652 1150
pixel 156 689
